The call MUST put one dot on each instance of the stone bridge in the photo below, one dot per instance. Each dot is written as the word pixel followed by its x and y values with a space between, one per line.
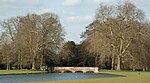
pixel 76 69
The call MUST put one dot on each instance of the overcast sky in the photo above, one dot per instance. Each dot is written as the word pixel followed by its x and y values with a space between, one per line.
pixel 74 14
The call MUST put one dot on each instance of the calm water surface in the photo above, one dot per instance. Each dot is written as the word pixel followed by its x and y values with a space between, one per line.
pixel 52 76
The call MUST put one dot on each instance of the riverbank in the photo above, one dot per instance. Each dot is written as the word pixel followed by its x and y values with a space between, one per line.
pixel 20 72
pixel 131 77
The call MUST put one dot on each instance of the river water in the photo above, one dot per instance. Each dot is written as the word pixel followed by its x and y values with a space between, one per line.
pixel 53 76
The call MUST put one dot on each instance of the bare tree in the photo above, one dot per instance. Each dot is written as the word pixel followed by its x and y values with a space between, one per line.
pixel 51 34
pixel 7 56
pixel 32 36
pixel 114 29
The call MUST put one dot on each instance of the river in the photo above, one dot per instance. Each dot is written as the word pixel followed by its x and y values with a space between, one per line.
pixel 53 76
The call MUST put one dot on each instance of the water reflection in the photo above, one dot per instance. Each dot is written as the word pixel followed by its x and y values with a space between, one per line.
pixel 52 76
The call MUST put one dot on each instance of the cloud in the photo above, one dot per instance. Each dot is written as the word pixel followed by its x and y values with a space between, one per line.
pixel 46 10
pixel 97 1
pixel 107 1
pixel 79 19
pixel 18 3
pixel 10 7
pixel 71 2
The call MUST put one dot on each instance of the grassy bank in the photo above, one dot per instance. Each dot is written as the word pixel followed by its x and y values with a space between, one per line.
pixel 15 72
pixel 131 77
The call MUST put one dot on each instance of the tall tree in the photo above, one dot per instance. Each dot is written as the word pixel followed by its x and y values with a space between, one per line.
pixel 7 56
pixel 32 36
pixel 113 31
pixel 51 33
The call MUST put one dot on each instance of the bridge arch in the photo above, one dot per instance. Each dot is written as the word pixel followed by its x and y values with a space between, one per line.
pixel 90 72
pixel 78 71
pixel 68 71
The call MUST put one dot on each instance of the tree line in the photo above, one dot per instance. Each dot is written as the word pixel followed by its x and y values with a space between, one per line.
pixel 118 38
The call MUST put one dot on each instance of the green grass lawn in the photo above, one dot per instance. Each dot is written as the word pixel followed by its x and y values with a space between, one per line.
pixel 14 72
pixel 131 77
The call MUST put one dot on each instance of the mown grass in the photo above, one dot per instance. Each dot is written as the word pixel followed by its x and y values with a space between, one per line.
pixel 15 72
pixel 130 77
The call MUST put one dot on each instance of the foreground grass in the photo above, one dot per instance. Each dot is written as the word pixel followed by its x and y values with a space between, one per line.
pixel 15 72
pixel 131 77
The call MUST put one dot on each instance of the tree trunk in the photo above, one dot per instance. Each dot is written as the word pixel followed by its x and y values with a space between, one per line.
pixel 20 66
pixel 133 69
pixel 21 63
pixel 33 62
pixel 43 53
pixel 96 64
pixel 8 66
pixel 113 58
pixel 112 62
pixel 118 63
pixel 120 54
pixel 146 68
pixel 19 60
pixel 41 63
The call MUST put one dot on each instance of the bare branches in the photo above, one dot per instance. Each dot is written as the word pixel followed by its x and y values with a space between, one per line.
pixel 33 36
pixel 114 30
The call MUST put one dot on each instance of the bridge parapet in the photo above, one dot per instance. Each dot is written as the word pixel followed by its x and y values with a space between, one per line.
pixel 76 69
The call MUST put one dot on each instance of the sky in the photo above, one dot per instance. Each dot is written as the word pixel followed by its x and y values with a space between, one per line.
pixel 74 15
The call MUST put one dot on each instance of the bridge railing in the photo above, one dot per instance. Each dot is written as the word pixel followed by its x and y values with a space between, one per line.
pixel 76 69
